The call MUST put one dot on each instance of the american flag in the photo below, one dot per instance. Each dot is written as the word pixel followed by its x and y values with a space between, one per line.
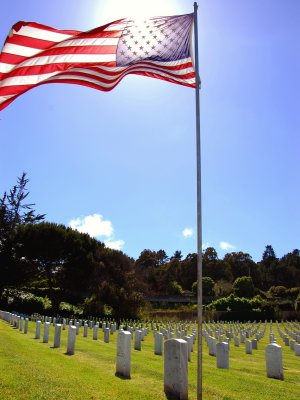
pixel 34 54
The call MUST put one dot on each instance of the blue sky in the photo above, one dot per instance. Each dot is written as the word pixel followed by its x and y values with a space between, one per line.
pixel 122 164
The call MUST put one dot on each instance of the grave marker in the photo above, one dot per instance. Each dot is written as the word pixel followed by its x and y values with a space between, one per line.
pixel 123 364
pixel 222 351
pixel 38 330
pixel 46 332
pixel 71 340
pixel 274 361
pixel 176 368
pixel 57 333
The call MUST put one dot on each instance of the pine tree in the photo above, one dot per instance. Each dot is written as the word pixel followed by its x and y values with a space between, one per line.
pixel 14 211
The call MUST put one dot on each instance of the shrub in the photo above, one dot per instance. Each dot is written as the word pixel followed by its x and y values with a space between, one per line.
pixel 261 293
pixel 286 305
pixel 25 302
pixel 175 288
pixel 278 291
pixel 207 286
pixel 293 292
pixel 243 287
pixel 223 288
pixel 232 303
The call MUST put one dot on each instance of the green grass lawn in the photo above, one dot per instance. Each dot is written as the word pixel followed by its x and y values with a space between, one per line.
pixel 30 369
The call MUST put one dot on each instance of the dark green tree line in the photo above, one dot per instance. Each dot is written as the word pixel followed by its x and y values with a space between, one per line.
pixel 67 266
pixel 267 273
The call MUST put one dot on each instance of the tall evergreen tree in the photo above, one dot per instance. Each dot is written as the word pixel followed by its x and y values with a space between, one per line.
pixel 14 211
pixel 269 265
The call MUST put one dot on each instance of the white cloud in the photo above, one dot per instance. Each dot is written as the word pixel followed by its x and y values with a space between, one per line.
pixel 114 244
pixel 94 225
pixel 226 246
pixel 187 232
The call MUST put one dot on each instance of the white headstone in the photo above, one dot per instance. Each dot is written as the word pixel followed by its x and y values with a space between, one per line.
pixel 38 329
pixel 123 363
pixel 248 346
pixel 176 368
pixel 71 340
pixel 227 340
pixel 95 332
pixel 297 349
pixel 46 332
pixel 85 330
pixel 188 340
pixel 212 346
pixel 274 361
pixel 158 343
pixel 222 355
pixel 138 340
pixel 57 333
pixel 26 326
pixel 106 335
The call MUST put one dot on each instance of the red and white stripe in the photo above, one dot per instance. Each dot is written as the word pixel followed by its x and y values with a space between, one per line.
pixel 35 54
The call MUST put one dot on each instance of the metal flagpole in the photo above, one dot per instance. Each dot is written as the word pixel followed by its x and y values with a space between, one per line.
pixel 199 210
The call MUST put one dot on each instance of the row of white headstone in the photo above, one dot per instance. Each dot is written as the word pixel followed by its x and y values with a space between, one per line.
pixel 15 320
pixel 273 351
pixel 139 331
pixel 176 355
pixel 290 336
pixel 176 351
pixel 169 330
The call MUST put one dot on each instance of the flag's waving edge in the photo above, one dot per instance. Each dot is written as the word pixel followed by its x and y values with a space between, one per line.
pixel 35 54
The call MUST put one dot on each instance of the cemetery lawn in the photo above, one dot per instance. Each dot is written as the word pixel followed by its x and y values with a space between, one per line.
pixel 32 370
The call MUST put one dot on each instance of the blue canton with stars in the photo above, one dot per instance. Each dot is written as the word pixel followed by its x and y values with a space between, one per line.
pixel 157 39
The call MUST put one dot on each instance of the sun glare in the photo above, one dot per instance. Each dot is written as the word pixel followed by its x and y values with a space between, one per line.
pixel 136 9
